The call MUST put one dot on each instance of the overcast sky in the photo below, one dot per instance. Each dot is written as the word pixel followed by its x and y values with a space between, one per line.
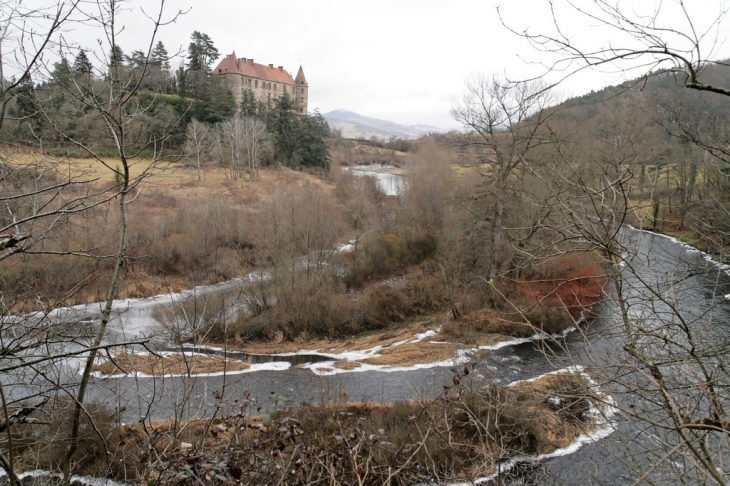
pixel 401 60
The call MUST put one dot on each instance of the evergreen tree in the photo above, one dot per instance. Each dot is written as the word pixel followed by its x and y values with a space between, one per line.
pixel 159 56
pixel 215 103
pixel 61 70
pixel 26 101
pixel 116 56
pixel 248 103
pixel 201 52
pixel 182 82
pixel 282 123
pixel 311 141
pixel 82 65
pixel 137 60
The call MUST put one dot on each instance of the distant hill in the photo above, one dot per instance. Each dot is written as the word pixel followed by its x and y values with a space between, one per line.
pixel 358 126
pixel 654 101
pixel 664 90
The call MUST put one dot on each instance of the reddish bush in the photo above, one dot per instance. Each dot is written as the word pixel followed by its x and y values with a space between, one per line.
pixel 571 283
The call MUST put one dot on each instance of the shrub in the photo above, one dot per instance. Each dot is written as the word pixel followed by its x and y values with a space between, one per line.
pixel 384 253
pixel 383 305
pixel 310 308
pixel 574 280
pixel 548 315
pixel 485 321
pixel 422 247
pixel 351 267
pixel 427 293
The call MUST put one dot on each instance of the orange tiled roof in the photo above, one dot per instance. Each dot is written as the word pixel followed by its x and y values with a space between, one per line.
pixel 246 67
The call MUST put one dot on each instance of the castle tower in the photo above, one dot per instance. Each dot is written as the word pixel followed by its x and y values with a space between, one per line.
pixel 302 91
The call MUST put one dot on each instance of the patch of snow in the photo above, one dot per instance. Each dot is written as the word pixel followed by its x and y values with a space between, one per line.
pixel 325 368
pixel 272 366
pixel 423 335
pixel 85 480
pixel 346 247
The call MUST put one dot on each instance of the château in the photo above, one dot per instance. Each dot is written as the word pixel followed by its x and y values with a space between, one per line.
pixel 266 82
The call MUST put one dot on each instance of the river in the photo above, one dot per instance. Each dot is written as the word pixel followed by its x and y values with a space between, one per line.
pixel 682 275
pixel 388 181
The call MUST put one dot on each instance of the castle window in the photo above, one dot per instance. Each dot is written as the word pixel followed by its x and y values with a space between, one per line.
pixel 302 90
pixel 257 84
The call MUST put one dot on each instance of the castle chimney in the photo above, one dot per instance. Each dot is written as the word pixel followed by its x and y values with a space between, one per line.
pixel 281 68
pixel 251 61
pixel 271 65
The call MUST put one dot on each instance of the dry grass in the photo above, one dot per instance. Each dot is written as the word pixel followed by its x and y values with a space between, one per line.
pixel 484 327
pixel 346 365
pixel 176 364
pixel 556 425
pixel 361 342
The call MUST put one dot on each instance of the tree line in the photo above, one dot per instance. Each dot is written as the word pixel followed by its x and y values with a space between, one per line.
pixel 208 122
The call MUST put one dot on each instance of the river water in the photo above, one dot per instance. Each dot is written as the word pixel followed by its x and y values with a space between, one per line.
pixel 389 183
pixel 681 274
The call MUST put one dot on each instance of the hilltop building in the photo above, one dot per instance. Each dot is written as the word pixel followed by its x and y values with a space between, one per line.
pixel 266 82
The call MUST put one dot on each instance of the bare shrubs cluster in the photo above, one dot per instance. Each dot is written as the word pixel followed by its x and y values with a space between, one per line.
pixel 462 434
pixel 311 308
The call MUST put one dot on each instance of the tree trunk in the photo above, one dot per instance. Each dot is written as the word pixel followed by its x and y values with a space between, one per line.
pixel 105 317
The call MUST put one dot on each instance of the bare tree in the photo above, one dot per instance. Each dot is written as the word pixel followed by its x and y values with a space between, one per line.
pixel 255 138
pixel 667 302
pixel 197 141
pixel 509 120
pixel 241 141
pixel 113 101
pixel 668 370
pixel 645 40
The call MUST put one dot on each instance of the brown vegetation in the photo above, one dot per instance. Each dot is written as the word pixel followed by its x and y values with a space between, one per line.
pixel 182 233
pixel 166 364
pixel 463 434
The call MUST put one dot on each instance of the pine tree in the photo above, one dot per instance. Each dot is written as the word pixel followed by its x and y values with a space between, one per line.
pixel 82 65
pixel 61 70
pixel 216 103
pixel 201 52
pixel 137 60
pixel 282 123
pixel 248 103
pixel 311 140
pixel 116 56
pixel 159 56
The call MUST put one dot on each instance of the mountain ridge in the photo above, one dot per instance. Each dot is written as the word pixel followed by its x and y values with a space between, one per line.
pixel 354 125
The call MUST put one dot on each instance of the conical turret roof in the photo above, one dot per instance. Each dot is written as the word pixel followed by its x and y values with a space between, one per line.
pixel 300 79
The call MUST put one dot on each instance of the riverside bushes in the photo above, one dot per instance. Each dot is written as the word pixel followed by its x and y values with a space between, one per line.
pixel 461 435
pixel 383 255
